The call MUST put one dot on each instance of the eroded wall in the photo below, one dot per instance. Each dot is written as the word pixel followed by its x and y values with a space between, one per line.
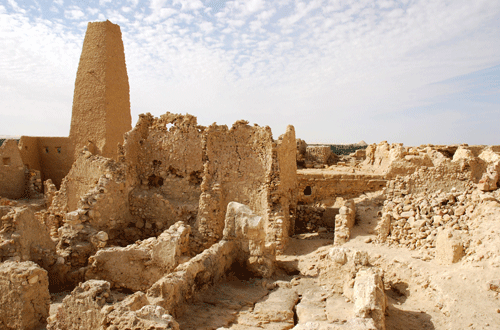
pixel 165 157
pixel 237 162
pixel 245 165
pixel 12 179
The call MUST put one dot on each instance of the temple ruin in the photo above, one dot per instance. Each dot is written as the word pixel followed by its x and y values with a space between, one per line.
pixel 175 225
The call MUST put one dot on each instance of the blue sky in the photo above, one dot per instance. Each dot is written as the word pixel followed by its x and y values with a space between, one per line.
pixel 411 71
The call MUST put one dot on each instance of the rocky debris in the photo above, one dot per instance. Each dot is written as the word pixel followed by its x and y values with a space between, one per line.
pixel 344 221
pixel 247 229
pixel 369 297
pixel 92 305
pixel 412 217
pixel 139 265
pixel 24 298
pixel 315 219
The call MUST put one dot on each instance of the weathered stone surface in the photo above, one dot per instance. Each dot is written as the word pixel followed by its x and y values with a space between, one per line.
pixel 369 297
pixel 175 289
pixel 24 298
pixel 138 266
pixel 344 221
pixel 449 247
pixel 248 230
pixel 91 306
pixel 23 238
pixel 277 306
pixel 101 112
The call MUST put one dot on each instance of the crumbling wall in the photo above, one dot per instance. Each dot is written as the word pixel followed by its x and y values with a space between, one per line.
pixel 244 164
pixel 174 290
pixel 52 156
pixel 25 297
pixel 91 305
pixel 319 156
pixel 237 167
pixel 24 238
pixel 429 200
pixel 101 101
pixel 139 265
pixel 167 166
pixel 283 194
pixel 97 189
pixel 12 179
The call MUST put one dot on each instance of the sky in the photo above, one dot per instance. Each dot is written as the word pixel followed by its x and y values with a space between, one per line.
pixel 410 71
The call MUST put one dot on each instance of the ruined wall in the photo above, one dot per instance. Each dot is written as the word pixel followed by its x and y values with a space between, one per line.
pixel 320 187
pixel 12 179
pixel 245 165
pixel 237 168
pixel 52 156
pixel 165 156
pixel 101 102
pixel 56 158
pixel 30 152
pixel 283 194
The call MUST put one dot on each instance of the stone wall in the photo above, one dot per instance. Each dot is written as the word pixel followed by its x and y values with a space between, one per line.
pixel 12 179
pixel 243 164
pixel 166 163
pixel 52 156
pixel 315 187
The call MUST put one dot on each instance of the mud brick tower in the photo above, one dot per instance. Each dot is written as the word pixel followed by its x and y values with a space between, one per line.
pixel 101 101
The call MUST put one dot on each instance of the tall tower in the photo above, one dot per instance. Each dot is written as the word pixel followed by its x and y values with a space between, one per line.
pixel 101 101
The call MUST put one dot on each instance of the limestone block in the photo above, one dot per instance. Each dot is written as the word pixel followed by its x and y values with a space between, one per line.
pixel 277 306
pixel 369 297
pixel 449 247
pixel 247 229
pixel 25 297
pixel 383 228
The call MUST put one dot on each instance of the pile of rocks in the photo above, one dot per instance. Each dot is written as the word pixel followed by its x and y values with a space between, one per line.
pixel 413 220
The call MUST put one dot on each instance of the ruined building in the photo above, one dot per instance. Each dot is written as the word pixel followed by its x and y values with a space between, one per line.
pixel 174 225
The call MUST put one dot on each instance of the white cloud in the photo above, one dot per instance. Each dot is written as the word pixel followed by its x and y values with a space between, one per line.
pixel 189 4
pixel 307 63
pixel 74 14
pixel 59 2
pixel 103 3
pixel 15 6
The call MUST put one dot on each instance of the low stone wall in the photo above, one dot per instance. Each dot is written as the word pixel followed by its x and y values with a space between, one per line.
pixel 138 266
pixel 172 291
pixel 316 187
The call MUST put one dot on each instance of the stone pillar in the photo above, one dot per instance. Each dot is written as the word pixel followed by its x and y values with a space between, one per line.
pixel 101 101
